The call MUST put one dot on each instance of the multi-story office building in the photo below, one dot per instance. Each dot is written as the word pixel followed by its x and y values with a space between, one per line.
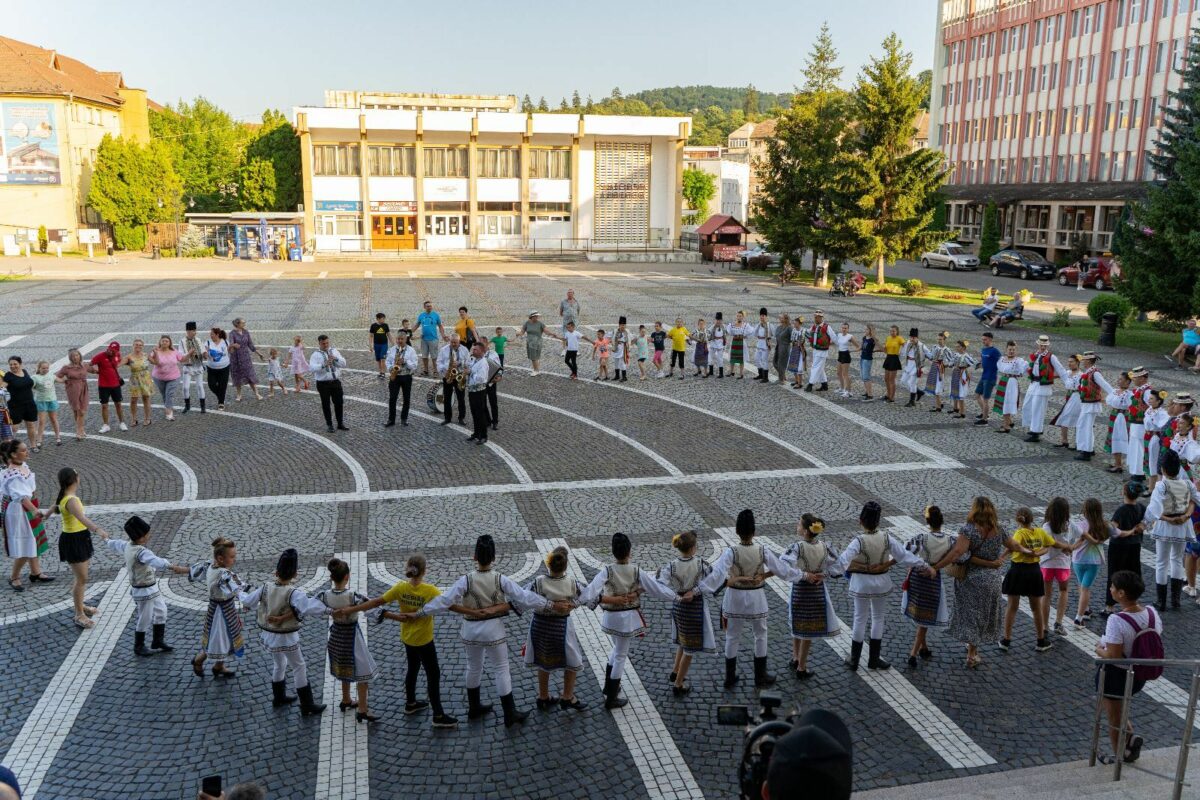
pixel 1048 108
pixel 730 177
pixel 421 177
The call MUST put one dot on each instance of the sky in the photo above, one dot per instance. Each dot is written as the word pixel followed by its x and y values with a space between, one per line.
pixel 247 55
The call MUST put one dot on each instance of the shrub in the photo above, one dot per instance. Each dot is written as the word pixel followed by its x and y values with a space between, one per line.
pixel 1102 304
pixel 1061 318
pixel 43 238
pixel 167 252
pixel 760 262
pixel 199 252
pixel 887 288
pixel 914 287
pixel 1166 325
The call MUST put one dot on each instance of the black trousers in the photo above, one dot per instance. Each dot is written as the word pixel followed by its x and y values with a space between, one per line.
pixel 451 392
pixel 479 414
pixel 1123 554
pixel 423 657
pixel 493 403
pixel 678 355
pixel 218 382
pixel 572 357
pixel 331 395
pixel 401 383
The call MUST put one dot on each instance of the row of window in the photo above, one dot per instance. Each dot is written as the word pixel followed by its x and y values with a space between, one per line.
pixel 441 162
pixel 442 224
pixel 1120 166
pixel 1120 115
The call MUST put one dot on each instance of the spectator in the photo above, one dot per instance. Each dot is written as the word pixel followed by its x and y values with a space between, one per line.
pixel 568 309
pixel 246 791
pixel 1120 633
pixel 990 298
pixel 10 788
pixel 814 759
pixel 1014 310
pixel 1189 347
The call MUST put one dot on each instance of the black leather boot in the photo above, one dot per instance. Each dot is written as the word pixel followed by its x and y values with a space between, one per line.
pixel 761 676
pixel 1033 437
pixel 612 694
pixel 873 659
pixel 203 410
pixel 824 386
pixel 307 704
pixel 1160 602
pixel 912 400
pixel 139 644
pixel 476 709
pixel 1176 591
pixel 157 642
pixel 855 655
pixel 511 715
pixel 279 695
pixel 731 676
pixel 187 405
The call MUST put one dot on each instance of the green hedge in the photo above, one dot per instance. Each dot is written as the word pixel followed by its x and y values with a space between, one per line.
pixel 1102 304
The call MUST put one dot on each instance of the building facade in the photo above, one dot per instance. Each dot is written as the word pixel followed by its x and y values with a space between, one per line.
pixel 732 179
pixel 426 178
pixel 1048 108
pixel 54 111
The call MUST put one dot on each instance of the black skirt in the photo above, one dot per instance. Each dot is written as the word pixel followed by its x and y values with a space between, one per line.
pixel 891 363
pixel 1024 580
pixel 75 548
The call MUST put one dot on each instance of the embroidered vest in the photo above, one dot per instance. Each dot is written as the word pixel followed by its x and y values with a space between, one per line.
pixel 622 579
pixel 484 590
pixel 683 574
pixel 344 598
pixel 192 347
pixel 1176 493
pixel 141 576
pixel 1138 405
pixel 216 584
pixel 277 598
pixel 749 561
pixel 810 556
pixel 819 336
pixel 934 548
pixel 1045 369
pixel 1089 389
pixel 872 548
pixel 554 589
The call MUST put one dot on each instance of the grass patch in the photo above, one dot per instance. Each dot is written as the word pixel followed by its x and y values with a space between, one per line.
pixel 1137 335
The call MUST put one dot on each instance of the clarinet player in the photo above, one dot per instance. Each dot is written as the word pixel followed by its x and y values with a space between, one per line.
pixel 401 364
pixel 326 364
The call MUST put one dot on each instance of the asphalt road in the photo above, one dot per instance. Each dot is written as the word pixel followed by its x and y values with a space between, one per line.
pixel 982 278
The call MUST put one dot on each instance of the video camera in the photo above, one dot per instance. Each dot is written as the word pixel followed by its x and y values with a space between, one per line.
pixel 761 734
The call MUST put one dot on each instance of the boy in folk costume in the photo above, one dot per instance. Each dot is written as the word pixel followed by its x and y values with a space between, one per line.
pixel 1068 415
pixel 1044 368
pixel 797 356
pixel 959 363
pixel 912 357
pixel 1092 390
pixel 743 569
pixel 810 609
pixel 1116 439
pixel 868 558
pixel 1009 371
pixel 935 380
pixel 924 599
pixel 718 336
pixel 143 567
pixel 193 367
pixel 738 332
pixel 1139 404
pixel 552 644
pixel 1169 518
pixel 819 336
pixel 620 348
pixel 691 624
pixel 762 347
pixel 222 639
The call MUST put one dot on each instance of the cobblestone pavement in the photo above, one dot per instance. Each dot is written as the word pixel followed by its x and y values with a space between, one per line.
pixel 572 461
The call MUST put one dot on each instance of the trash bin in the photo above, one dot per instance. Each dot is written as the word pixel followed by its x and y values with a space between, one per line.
pixel 1108 330
pixel 154 252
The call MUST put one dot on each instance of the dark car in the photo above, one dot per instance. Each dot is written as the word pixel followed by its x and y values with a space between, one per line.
pixel 1024 264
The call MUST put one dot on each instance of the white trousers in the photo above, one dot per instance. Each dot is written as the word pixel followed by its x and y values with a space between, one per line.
pixel 1168 560
pixel 868 607
pixel 716 355
pixel 496 656
pixel 193 374
pixel 762 358
pixel 1033 413
pixel 733 636
pixel 151 611
pixel 619 655
pixel 816 371
pixel 1135 453
pixel 293 658
pixel 1085 431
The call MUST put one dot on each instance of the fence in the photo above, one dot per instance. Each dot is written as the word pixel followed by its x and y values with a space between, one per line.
pixel 365 244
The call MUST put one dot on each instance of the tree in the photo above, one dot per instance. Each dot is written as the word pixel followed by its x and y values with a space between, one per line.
pixel 43 238
pixel 887 183
pixel 277 145
pixel 562 105
pixel 128 184
pixel 616 93
pixel 699 187
pixel 575 102
pixel 750 103
pixel 542 105
pixel 257 190
pixel 526 105
pixel 206 146
pixel 1122 238
pixel 989 233
pixel 590 107
pixel 925 78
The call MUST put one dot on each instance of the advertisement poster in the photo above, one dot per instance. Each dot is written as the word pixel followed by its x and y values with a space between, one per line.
pixel 29 144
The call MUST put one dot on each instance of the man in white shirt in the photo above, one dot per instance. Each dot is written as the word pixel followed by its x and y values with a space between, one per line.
pixel 479 370
pixel 193 369
pixel 450 390
pixel 495 373
pixel 401 362
pixel 326 365
pixel 1044 369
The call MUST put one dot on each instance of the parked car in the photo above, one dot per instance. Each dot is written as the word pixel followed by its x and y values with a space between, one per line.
pixel 1099 273
pixel 1025 264
pixel 744 256
pixel 951 256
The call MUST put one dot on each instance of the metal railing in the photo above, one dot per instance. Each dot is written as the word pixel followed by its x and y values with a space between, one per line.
pixel 1189 717
pixel 365 244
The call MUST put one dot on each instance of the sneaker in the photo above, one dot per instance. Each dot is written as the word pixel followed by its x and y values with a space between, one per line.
pixel 123 426
pixel 533 373
pixel 1087 614
pixel 1079 623
pixel 1004 644
pixel 416 707
pixel 1043 645
pixel 444 721
pixel 1190 591
pixel 1060 629
pixel 104 429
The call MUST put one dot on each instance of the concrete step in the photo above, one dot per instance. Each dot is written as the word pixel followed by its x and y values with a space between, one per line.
pixel 452 256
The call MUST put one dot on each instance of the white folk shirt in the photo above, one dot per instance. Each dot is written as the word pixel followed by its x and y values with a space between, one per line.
pixel 146 557
pixel 863 584
pixel 443 359
pixel 485 632
pixel 302 606
pixel 325 364
pixel 404 357
pixel 746 603
pixel 630 622
pixel 762 333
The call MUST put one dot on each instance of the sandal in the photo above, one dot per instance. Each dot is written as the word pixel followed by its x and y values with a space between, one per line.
pixel 41 577
pixel 973 662
pixel 16 586
pixel 89 610
pixel 1134 749
pixel 84 623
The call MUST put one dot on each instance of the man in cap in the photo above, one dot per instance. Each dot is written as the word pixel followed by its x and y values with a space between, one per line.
pixel 193 367
pixel 819 336
pixel 1092 390
pixel 1044 369
pixel 762 347
pixel 1139 403
pixel 814 759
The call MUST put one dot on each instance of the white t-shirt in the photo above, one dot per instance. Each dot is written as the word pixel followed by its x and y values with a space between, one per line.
pixel 218 354
pixel 1118 631
pixel 571 340
pixel 843 341
pixel 1055 558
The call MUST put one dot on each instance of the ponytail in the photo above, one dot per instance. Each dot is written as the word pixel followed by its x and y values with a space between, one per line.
pixel 66 477
pixel 415 567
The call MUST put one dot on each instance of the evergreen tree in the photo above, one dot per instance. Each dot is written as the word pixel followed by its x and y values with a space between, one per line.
pixel 576 104
pixel 562 106
pixel 616 94
pixel 989 234
pixel 750 104
pixel 590 108
pixel 542 105
pixel 526 105
pixel 1122 239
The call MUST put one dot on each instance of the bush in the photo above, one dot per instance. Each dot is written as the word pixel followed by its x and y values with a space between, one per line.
pixel 914 287
pixel 1102 304
pixel 1166 325
pixel 887 288
pixel 1061 318
pixel 199 252
pixel 167 252
pixel 760 262
pixel 43 238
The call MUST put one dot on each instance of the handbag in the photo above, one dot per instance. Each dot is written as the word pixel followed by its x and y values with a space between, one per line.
pixel 956 571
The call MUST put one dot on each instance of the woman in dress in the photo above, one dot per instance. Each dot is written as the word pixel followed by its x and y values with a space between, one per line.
pixel 216 360
pixel 75 543
pixel 810 609
pixel 74 376
pixel 1068 415
pixel 783 348
pixel 24 526
pixel 891 362
pixel 737 345
pixel 21 405
pixel 923 600
pixel 533 328
pixel 141 387
pixel 1010 369
pixel 797 357
pixel 241 346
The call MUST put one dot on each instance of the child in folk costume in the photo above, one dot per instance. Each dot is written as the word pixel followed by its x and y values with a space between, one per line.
pixel 762 347
pixel 552 644
pixel 1009 369
pixel 924 599
pixel 810 609
pixel 738 332
pixel 1139 404
pixel 743 569
pixel 1154 422
pixel 1169 516
pixel 143 567
pixel 1092 389
pixel 796 356
pixel 1024 578
pixel 690 621
pixel 1068 415
pixel 959 363
pixel 912 359
pixel 868 558
pixel 1116 440
pixel 222 639
pixel 280 608
pixel 700 354
pixel 718 337
pixel 617 589
pixel 620 346
pixel 819 337
pixel 349 659
pixel 1179 408
pixel 1184 443
pixel 935 377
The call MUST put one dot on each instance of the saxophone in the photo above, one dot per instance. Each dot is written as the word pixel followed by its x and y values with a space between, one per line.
pixel 454 375
pixel 394 372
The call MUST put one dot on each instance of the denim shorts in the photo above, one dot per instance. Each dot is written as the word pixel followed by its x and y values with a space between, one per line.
pixel 864 368
pixel 47 405
pixel 985 388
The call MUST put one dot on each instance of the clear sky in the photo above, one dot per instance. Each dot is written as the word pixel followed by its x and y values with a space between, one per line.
pixel 247 55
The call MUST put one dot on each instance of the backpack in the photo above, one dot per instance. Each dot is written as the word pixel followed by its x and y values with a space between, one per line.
pixel 1147 643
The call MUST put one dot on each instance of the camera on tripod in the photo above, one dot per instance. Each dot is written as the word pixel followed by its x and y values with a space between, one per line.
pixel 744 715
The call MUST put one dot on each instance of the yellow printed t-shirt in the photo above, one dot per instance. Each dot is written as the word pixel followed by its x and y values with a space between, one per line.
pixel 893 344
pixel 678 339
pixel 1034 539
pixel 413 598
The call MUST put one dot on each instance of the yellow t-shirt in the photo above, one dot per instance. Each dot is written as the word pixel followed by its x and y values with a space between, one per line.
pixel 893 344
pixel 1034 539
pixel 69 523
pixel 413 598
pixel 461 326
pixel 679 338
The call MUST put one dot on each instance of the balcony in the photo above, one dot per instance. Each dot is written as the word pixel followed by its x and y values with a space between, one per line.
pixel 1034 236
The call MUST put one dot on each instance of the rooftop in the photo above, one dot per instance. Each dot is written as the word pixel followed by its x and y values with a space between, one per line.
pixel 29 69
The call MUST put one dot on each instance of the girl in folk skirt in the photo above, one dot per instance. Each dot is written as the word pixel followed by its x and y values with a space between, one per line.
pixel 797 355
pixel 924 599
pixel 935 379
pixel 552 644
pixel 738 332
pixel 1066 418
pixel 222 639
pixel 810 610
pixel 1010 369
pixel 349 659
pixel 690 623
pixel 700 354
pixel 959 364
pixel 1116 441
pixel 1156 420
pixel 1024 578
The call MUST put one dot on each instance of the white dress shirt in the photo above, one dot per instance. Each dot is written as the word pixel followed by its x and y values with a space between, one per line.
pixel 325 364
pixel 477 378
pixel 443 359
pixel 404 357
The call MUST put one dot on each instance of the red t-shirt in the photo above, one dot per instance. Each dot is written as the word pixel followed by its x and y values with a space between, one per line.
pixel 108 377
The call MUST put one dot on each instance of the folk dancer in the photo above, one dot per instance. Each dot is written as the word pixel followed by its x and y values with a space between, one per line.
pixel 325 363
pixel 743 569
pixel 1169 516
pixel 797 356
pixel 495 375
pixel 1010 369
pixel 1116 439
pixel 280 607
pixel 1044 369
pixel 401 363
pixel 193 367
pixel 700 354
pixel 762 347
pixel 738 332
pixel 221 639
pixel 452 356
pixel 552 644
pixel 691 625
pixel 620 349
pixel 1180 411
pixel 819 336
pixel 936 378
pixel 478 376
pixel 1184 443
pixel 143 567
pixel 349 659
pixel 912 356
pixel 1092 389
pixel 617 589
pixel 868 558
pixel 1155 420
pixel 783 347
pixel 718 337
pixel 1068 416
pixel 959 363
pixel 1139 404
pixel 923 599
pixel 810 608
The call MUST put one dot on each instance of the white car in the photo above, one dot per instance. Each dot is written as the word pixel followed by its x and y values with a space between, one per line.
pixel 950 256
pixel 744 256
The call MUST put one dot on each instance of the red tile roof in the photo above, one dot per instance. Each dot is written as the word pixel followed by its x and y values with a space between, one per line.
pixel 28 69
pixel 718 221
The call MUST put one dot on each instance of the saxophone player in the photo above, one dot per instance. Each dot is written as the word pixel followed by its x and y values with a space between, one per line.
pixel 401 362
pixel 451 366
pixel 496 372
pixel 326 364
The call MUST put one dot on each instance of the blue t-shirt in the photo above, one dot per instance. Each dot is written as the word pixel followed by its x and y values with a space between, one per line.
pixel 429 321
pixel 1191 337
pixel 868 349
pixel 989 357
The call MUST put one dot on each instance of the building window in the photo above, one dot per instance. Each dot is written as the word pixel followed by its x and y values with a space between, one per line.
pixel 1160 56
pixel 339 225
pixel 392 160
pixel 498 225
pixel 1060 169
pixel 1109 117
pixel 498 162
pixel 546 162
pixel 549 212
pixel 335 159
pixel 446 162
pixel 1085 167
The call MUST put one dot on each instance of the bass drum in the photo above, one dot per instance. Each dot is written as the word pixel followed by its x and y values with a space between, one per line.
pixel 435 398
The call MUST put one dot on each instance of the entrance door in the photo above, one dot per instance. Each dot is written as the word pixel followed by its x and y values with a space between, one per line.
pixel 393 232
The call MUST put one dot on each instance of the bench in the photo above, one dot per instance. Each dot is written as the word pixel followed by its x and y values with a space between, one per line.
pixel 1000 308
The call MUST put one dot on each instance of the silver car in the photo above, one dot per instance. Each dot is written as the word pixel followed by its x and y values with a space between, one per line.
pixel 950 256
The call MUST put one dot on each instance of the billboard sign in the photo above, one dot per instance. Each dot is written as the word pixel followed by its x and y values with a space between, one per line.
pixel 29 151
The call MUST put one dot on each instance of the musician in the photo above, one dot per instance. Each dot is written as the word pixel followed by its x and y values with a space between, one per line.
pixel 456 353
pixel 401 362
pixel 495 373
pixel 325 364
pixel 479 371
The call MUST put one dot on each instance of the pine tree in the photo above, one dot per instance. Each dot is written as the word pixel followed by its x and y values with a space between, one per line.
pixel 989 234
pixel 526 105
pixel 542 105
pixel 1161 270
pixel 576 104
pixel 562 106
pixel 590 108
pixel 616 94
pixel 750 103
